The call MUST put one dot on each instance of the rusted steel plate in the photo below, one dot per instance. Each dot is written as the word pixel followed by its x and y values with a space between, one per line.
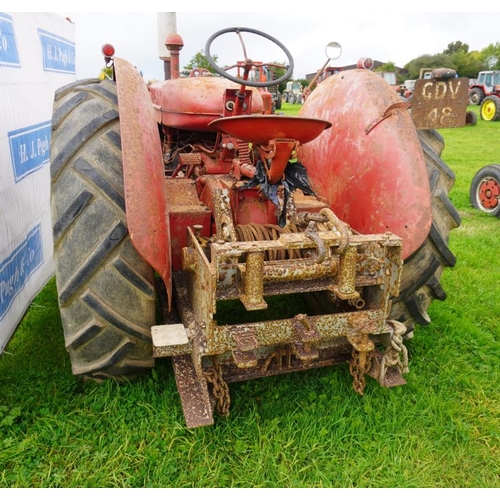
pixel 143 169
pixel 440 104
pixel 166 337
pixel 284 331
pixel 185 210
pixel 194 394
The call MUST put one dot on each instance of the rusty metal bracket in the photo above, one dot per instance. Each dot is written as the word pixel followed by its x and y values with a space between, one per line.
pixel 307 333
pixel 305 328
pixel 388 112
pixel 305 351
pixel 253 282
pixel 194 394
pixel 345 289
pixel 223 216
pixel 243 355
pixel 361 343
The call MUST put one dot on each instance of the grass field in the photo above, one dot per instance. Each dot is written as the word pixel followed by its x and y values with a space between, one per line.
pixel 302 430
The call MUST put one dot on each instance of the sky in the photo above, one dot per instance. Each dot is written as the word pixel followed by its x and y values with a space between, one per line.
pixel 386 35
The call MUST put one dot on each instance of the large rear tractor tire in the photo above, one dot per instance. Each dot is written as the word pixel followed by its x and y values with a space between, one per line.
pixel 475 97
pixel 490 109
pixel 485 190
pixel 106 290
pixel 422 271
pixel 279 100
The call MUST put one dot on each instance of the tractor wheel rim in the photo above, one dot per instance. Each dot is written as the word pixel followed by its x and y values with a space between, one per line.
pixel 488 194
pixel 488 110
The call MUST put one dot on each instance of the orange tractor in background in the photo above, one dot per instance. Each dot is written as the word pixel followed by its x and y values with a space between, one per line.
pixel 191 223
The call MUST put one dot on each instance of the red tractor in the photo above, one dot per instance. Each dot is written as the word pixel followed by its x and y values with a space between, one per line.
pixel 191 223
pixel 485 92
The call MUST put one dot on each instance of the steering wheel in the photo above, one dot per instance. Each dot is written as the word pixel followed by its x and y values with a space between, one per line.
pixel 240 81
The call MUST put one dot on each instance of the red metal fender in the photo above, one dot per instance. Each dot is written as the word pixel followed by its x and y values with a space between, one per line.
pixel 143 172
pixel 375 179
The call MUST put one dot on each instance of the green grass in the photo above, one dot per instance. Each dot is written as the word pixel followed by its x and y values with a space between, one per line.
pixel 302 430
pixel 289 109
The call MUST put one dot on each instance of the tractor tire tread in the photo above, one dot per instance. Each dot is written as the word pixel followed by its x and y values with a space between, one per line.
pixel 106 291
pixel 420 282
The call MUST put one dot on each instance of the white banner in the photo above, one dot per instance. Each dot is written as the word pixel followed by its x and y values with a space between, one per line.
pixel 37 56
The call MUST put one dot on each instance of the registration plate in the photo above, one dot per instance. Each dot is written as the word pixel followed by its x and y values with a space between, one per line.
pixel 440 104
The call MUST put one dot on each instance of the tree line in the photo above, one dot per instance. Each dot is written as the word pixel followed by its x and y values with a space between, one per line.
pixel 458 57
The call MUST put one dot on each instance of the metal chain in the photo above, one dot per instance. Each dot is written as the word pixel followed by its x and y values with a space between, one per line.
pixel 220 388
pixel 359 365
pixel 396 355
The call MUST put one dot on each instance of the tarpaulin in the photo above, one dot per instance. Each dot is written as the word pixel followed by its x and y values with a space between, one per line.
pixel 37 56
